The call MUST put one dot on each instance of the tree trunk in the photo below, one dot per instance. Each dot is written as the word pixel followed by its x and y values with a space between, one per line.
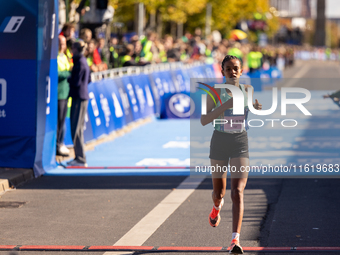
pixel 179 30
pixel 173 29
pixel 159 28
pixel 153 21
pixel 320 28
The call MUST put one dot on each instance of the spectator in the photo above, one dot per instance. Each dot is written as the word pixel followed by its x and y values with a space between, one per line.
pixel 235 51
pixel 137 52
pixel 102 50
pixel 172 53
pixel 64 67
pixel 86 35
pixel 68 32
pixel 114 56
pixel 148 46
pixel 93 58
pixel 254 58
pixel 127 59
pixel 79 80
pixel 162 54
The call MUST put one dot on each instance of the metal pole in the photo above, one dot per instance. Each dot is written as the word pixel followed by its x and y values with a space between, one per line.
pixel 140 19
pixel 208 20
pixel 67 10
pixel 179 30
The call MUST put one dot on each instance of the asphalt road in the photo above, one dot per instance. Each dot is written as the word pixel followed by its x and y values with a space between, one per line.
pixel 103 210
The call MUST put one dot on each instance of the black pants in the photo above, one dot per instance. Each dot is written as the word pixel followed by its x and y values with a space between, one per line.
pixel 62 111
pixel 78 111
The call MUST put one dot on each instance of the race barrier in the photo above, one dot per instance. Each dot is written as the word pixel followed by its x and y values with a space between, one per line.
pixel 317 54
pixel 28 84
pixel 121 96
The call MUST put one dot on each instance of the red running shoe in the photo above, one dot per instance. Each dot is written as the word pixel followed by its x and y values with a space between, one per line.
pixel 235 247
pixel 214 216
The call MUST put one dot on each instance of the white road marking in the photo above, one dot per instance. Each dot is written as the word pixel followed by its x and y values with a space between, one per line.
pixel 156 217
pixel 176 144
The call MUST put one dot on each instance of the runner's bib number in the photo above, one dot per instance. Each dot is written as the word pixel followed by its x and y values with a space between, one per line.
pixel 234 123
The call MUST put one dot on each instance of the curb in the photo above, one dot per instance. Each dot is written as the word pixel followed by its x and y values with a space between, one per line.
pixel 13 177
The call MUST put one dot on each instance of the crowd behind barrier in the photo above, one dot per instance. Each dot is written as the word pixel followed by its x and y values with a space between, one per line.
pixel 323 54
pixel 139 77
pixel 123 95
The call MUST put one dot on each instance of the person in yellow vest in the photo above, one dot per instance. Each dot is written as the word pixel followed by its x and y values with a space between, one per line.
pixel 64 71
pixel 235 51
pixel 162 54
pixel 254 58
pixel 127 59
pixel 148 46
pixel 68 31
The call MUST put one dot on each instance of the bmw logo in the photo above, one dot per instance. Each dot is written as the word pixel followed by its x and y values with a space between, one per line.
pixel 181 105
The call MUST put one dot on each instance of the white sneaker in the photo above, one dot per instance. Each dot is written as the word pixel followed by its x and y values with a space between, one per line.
pixel 63 151
pixel 76 163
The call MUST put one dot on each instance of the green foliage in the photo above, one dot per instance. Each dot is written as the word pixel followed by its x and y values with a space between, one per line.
pixel 225 13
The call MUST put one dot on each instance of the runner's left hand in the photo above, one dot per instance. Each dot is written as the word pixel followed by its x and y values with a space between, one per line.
pixel 257 105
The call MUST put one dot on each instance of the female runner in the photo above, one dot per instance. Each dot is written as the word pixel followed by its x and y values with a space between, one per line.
pixel 229 145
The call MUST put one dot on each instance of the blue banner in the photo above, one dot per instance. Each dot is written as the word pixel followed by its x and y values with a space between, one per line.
pixel 18 34
pixel 115 104
pixel 144 96
pixel 95 112
pixel 102 98
pixel 17 113
pixel 182 80
pixel 49 149
pixel 28 100
pixel 131 93
pixel 128 115
pixel 179 105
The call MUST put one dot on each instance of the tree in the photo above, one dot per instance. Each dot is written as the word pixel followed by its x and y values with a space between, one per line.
pixel 226 14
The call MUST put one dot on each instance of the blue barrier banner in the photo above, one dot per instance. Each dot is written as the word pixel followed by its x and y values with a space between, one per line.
pixel 95 112
pixel 255 78
pixel 50 141
pixel 103 98
pixel 68 139
pixel 156 86
pixel 27 105
pixel 145 99
pixel 182 80
pixel 132 97
pixel 163 82
pixel 18 21
pixel 17 113
pixel 88 131
pixel 128 115
pixel 115 104
pixel 156 80
pixel 178 105
pixel 209 71
pixel 196 98
pixel 168 78
pixel 196 72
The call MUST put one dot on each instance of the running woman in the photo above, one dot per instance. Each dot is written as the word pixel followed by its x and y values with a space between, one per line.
pixel 229 146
